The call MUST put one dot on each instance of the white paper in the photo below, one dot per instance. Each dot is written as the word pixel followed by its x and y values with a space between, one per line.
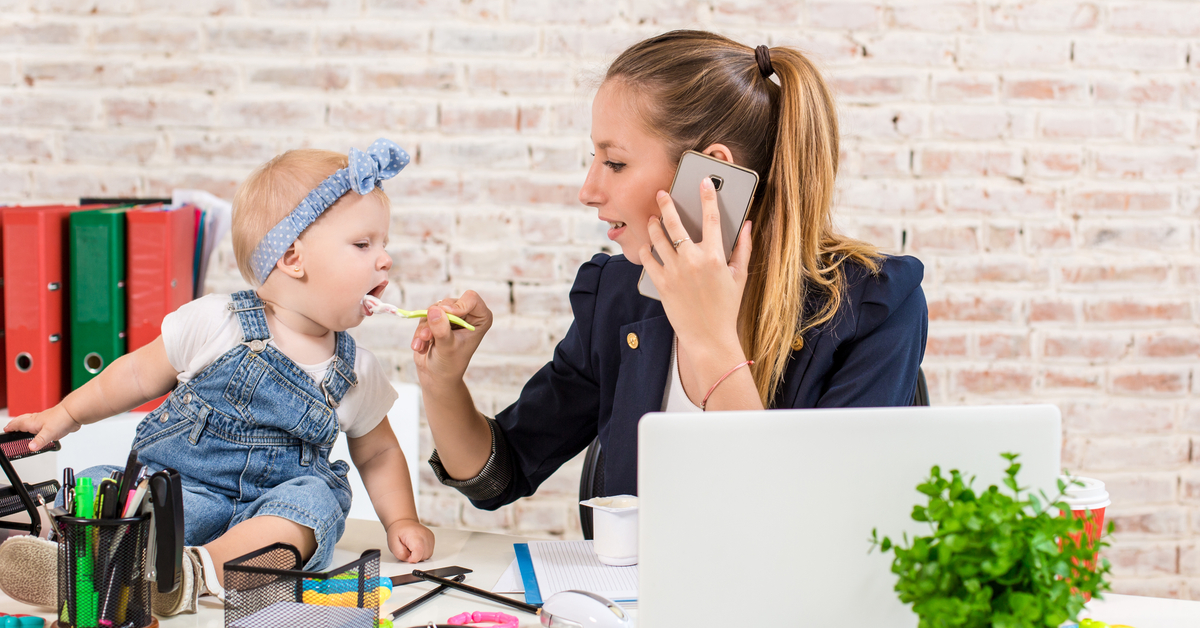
pixel 217 221
pixel 510 580
pixel 565 565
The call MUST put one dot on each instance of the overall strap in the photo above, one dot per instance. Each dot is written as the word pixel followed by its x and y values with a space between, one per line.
pixel 340 376
pixel 249 310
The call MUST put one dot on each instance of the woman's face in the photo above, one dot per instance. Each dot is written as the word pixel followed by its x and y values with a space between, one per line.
pixel 629 169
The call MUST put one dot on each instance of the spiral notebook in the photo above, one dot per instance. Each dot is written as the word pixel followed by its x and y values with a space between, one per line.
pixel 548 567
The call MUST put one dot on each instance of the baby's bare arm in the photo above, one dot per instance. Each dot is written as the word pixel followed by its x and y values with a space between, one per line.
pixel 128 382
pixel 384 471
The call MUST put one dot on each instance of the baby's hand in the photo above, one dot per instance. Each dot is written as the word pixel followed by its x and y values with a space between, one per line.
pixel 47 425
pixel 409 540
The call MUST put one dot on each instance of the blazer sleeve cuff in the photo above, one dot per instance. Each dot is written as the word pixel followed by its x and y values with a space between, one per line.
pixel 493 479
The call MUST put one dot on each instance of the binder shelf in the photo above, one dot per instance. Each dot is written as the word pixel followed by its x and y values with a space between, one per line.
pixel 18 496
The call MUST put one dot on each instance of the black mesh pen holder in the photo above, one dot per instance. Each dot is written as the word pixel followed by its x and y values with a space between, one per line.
pixel 102 573
pixel 264 589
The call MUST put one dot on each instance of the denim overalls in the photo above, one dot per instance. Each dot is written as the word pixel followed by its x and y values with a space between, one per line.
pixel 250 435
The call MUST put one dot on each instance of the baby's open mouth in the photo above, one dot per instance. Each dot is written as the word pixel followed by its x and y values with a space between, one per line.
pixel 373 298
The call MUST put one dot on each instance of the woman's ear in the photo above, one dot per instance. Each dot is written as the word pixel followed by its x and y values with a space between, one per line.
pixel 720 151
pixel 292 262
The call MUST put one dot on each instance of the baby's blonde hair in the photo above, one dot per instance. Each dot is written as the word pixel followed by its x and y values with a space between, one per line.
pixel 273 190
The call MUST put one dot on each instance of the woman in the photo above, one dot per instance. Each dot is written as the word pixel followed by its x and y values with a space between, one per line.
pixel 800 316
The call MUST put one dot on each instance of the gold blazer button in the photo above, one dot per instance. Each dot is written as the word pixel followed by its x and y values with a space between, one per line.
pixel 632 340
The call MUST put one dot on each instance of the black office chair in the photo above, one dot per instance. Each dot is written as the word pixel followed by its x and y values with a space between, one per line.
pixel 591 479
pixel 921 398
pixel 591 484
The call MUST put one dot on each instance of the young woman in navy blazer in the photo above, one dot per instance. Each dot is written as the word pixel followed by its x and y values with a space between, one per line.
pixel 827 321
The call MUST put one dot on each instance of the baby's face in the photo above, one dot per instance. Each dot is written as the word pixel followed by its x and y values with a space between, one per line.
pixel 345 258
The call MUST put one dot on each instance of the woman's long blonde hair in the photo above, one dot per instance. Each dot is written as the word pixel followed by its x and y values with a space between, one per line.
pixel 694 89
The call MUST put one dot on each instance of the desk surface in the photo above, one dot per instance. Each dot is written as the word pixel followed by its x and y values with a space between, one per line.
pixel 490 554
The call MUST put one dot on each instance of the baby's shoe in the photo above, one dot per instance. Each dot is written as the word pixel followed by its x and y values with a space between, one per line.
pixel 29 570
pixel 199 578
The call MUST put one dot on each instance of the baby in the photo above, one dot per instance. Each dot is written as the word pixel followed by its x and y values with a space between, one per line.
pixel 262 381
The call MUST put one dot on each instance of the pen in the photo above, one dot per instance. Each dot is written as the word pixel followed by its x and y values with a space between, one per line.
pixel 487 595
pixel 108 499
pixel 129 479
pixel 133 504
pixel 436 591
pixel 69 486
pixel 50 519
pixel 85 612
pixel 85 498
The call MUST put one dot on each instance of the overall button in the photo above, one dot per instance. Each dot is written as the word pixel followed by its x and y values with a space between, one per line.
pixel 187 398
pixel 257 346
pixel 166 416
pixel 632 339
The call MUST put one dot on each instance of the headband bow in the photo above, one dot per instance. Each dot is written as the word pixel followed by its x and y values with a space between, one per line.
pixel 383 160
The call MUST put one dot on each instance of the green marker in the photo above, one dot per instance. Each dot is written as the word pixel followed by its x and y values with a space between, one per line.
pixel 85 592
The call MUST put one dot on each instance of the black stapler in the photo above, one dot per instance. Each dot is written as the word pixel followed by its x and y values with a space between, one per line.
pixel 165 560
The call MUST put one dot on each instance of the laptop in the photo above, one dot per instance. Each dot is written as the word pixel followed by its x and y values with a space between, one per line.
pixel 750 518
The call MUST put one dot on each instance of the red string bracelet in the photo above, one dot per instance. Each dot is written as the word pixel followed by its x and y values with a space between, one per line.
pixel 714 386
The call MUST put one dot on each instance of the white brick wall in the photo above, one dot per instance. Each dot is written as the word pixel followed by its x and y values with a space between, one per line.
pixel 1040 157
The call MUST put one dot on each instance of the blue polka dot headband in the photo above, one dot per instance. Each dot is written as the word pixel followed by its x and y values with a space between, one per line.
pixel 383 160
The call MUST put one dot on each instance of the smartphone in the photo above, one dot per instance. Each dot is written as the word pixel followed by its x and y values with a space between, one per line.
pixel 735 187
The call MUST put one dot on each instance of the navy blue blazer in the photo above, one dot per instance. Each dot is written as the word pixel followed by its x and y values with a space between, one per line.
pixel 867 356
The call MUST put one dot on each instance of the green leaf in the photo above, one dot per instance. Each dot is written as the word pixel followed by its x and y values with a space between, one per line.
pixel 993 558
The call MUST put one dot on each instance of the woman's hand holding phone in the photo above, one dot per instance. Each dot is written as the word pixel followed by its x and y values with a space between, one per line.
pixel 700 292
pixel 442 352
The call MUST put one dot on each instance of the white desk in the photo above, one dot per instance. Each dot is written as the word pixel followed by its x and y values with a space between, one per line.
pixel 1144 612
pixel 490 554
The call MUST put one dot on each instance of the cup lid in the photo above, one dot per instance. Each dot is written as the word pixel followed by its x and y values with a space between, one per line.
pixel 616 503
pixel 1084 493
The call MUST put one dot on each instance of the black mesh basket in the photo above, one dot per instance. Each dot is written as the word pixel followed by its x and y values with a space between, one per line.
pixel 19 496
pixel 264 589
pixel 102 573
pixel 10 498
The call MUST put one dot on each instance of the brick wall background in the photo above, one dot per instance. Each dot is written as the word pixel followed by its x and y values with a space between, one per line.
pixel 1040 158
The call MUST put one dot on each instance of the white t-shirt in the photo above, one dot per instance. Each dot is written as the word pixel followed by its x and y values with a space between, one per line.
pixel 675 399
pixel 199 332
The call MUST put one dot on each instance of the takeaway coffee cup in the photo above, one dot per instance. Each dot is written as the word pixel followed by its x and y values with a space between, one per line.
pixel 1087 499
pixel 615 529
pixel 1084 496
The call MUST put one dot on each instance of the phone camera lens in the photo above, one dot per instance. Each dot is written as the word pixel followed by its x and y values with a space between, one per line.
pixel 717 182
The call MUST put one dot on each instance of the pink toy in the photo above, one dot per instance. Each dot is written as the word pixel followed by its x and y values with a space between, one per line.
pixel 496 619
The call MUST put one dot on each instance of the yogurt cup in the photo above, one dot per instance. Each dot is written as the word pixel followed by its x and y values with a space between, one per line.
pixel 615 529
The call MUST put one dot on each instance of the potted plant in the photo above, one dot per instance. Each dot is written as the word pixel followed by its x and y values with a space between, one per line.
pixel 994 559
